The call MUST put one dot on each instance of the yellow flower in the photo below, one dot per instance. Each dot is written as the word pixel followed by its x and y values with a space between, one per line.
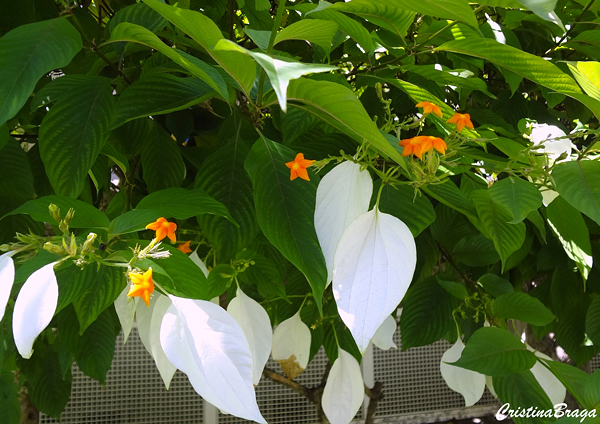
pixel 185 247
pixel 422 144
pixel 163 229
pixel 461 120
pixel 142 285
pixel 430 108
pixel 298 167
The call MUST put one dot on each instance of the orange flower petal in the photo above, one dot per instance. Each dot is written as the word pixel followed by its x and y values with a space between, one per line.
pixel 142 285
pixel 185 247
pixel 302 173
pixel 298 167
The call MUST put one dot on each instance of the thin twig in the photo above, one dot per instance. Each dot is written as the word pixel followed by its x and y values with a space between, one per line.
pixel 230 20
pixel 575 22
pixel 298 388
pixel 375 395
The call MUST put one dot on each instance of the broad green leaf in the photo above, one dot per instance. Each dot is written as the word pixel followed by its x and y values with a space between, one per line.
pixel 86 216
pixel 180 203
pixel 139 14
pixel 10 409
pixel 108 284
pixel 592 323
pixel 448 77
pixel 586 74
pixel 339 107
pixel 385 14
pixel 569 226
pixel 475 250
pixel 4 137
pixel 206 33
pixel 316 31
pixel 73 133
pixel 591 391
pixel 264 274
pixel 571 377
pixel 72 283
pixel 524 64
pixel 450 195
pixel 523 307
pixel 494 218
pixel 578 182
pixel 427 314
pixel 157 94
pixel 522 390
pixel 132 221
pixel 15 172
pixel 544 9
pixel 458 10
pixel 260 38
pixel 495 285
pixel 285 210
pixel 520 197
pixel 34 50
pixel 223 176
pixel 536 219
pixel 494 351
pixel 137 34
pixel 457 290
pixel 162 163
pixel 411 207
pixel 280 72
pixel 219 279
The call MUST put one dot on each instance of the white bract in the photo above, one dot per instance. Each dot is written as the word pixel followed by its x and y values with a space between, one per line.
pixel 149 320
pixel 551 385
pixel 552 138
pixel 342 196
pixel 34 308
pixel 291 345
pixel 469 384
pixel 7 278
pixel 125 307
pixel 255 322
pixel 206 343
pixel 373 267
pixel 196 259
pixel 344 391
pixel 384 336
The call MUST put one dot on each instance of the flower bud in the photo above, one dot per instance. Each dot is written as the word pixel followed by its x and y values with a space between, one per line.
pixel 54 212
pixel 87 245
pixel 57 250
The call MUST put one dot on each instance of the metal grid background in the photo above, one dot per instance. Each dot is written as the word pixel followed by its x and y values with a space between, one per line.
pixel 134 394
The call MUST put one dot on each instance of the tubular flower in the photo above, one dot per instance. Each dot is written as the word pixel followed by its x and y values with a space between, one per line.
pixel 422 144
pixel 163 229
pixel 461 120
pixel 142 285
pixel 430 108
pixel 185 247
pixel 298 167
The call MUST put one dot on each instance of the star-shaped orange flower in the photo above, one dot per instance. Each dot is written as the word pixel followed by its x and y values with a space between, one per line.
pixel 185 247
pixel 142 285
pixel 298 167
pixel 430 108
pixel 163 229
pixel 461 120
pixel 422 144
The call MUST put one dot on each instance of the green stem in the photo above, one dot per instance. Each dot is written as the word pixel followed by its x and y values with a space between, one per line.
pixel 276 25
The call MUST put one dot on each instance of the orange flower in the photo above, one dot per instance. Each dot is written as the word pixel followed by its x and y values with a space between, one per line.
pixel 185 247
pixel 422 144
pixel 461 120
pixel 430 108
pixel 142 285
pixel 298 167
pixel 163 229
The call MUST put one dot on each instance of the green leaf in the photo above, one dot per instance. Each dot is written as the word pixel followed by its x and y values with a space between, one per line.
pixel 157 94
pixel 586 74
pixel 544 9
pixel 263 274
pixel 578 182
pixel 494 351
pixel 522 390
pixel 457 290
pixel 4 136
pixel 411 207
pixel 72 283
pixel 108 284
pixel 15 172
pixel 385 14
pixel 427 314
pixel 132 221
pixel 523 307
pixel 223 176
pixel 457 10
pixel 316 31
pixel 34 50
pixel 592 322
pixel 571 377
pixel 180 203
pixel 285 210
pixel 524 64
pixel 536 219
pixel 86 216
pixel 520 197
pixel 219 279
pixel 339 107
pixel 346 25
pixel 73 133
pixel 10 410
pixel 495 285
pixel 450 195
pixel 139 14
pixel 137 34
pixel 475 250
pixel 206 33
pixel 162 163
pixel 449 77
pixel 569 226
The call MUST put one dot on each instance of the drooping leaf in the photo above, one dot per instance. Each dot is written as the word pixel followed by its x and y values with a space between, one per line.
pixel 316 31
pixel 345 24
pixel 344 390
pixel 34 50
pixel 457 10
pixel 13 162
pixel 450 195
pixel 125 310
pixel 520 197
pixel 551 385
pixel 162 163
pixel 592 323
pixel 522 390
pixel 578 182
pixel 495 285
pixel 544 9
pixel 139 14
pixel 385 14
pixel 384 336
pixel 523 307
pixel 133 221
pixel 469 384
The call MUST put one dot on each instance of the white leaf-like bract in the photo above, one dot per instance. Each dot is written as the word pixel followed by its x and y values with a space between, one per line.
pixel 256 324
pixel 344 391
pixel 291 345
pixel 373 267
pixel 555 390
pixel 384 336
pixel 7 278
pixel 553 140
pixel 125 308
pixel 196 259
pixel 342 196
pixel 469 384
pixel 34 308
pixel 206 343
